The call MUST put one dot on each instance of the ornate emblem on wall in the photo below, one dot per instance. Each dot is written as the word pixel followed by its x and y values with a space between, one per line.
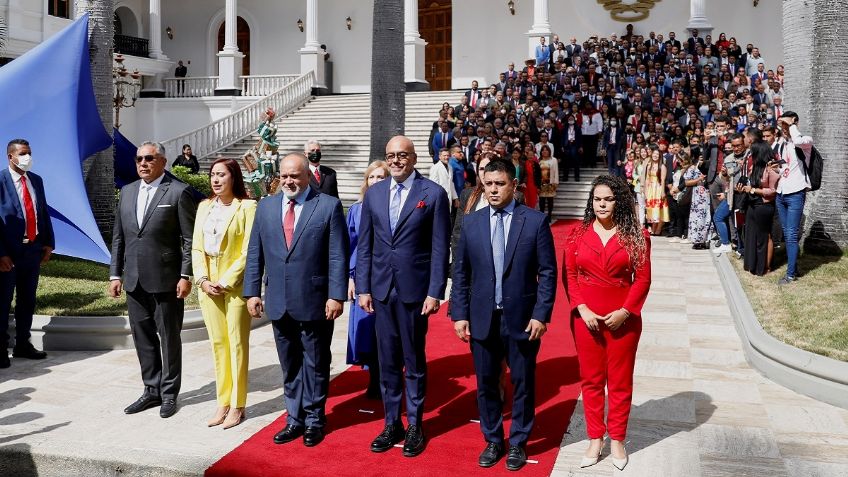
pixel 628 11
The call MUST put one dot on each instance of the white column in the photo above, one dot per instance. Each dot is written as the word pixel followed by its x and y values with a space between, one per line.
pixel 155 40
pixel 541 26
pixel 230 58
pixel 698 18
pixel 311 57
pixel 414 74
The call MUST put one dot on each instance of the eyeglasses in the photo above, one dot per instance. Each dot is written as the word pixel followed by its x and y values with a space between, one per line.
pixel 398 157
pixel 147 158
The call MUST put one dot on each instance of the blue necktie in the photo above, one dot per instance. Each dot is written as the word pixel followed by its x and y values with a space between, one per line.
pixel 498 246
pixel 394 208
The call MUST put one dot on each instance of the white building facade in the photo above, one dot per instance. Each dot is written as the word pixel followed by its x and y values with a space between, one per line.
pixel 447 43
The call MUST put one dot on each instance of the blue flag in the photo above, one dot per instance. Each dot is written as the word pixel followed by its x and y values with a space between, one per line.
pixel 47 98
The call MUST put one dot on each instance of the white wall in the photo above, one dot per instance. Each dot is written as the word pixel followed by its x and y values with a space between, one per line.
pixel 160 119
pixel 482 51
pixel 275 38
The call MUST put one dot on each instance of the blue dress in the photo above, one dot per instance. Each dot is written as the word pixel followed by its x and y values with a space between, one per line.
pixel 361 331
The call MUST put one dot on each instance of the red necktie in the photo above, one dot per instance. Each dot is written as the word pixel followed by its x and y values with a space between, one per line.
pixel 473 99
pixel 317 175
pixel 288 224
pixel 29 210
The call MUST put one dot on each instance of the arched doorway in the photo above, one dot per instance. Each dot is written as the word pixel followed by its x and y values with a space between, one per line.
pixel 125 22
pixel 435 27
pixel 242 40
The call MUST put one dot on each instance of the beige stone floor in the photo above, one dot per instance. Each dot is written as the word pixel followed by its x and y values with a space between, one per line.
pixel 698 408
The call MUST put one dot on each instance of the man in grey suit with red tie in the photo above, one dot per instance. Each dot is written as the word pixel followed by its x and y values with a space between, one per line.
pixel 299 244
pixel 401 272
pixel 151 260
pixel 26 242
pixel 512 278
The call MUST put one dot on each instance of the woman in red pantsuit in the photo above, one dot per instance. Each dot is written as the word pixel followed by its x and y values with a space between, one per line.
pixel 608 275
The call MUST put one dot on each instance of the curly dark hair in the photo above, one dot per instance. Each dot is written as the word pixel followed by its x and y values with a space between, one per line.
pixel 630 233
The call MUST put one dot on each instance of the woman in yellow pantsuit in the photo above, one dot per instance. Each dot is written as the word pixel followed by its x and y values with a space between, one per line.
pixel 219 250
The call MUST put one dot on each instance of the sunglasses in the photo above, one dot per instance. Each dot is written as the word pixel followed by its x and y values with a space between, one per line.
pixel 147 158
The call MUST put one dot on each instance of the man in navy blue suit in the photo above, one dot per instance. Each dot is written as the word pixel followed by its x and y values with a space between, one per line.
pixel 299 242
pixel 401 272
pixel 26 242
pixel 505 260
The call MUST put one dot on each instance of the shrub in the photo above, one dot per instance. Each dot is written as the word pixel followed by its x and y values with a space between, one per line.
pixel 198 181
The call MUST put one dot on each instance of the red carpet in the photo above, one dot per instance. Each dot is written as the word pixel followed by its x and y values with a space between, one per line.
pixel 454 442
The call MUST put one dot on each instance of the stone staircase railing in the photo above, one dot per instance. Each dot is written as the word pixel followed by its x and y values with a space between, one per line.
pixel 213 137
pixel 198 86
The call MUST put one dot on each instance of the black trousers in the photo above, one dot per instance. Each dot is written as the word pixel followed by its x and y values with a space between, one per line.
pixel 758 222
pixel 156 320
pixel 401 339
pixel 22 282
pixel 303 348
pixel 590 150
pixel 673 217
pixel 546 203
pixel 520 356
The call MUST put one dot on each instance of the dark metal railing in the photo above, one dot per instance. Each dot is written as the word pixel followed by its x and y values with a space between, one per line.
pixel 130 45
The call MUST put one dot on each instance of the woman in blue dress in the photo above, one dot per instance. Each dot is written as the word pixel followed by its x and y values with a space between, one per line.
pixel 361 331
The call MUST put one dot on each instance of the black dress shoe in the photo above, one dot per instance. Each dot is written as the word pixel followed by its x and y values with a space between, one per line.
pixel 146 401
pixel 288 434
pixel 391 435
pixel 491 454
pixel 414 442
pixel 516 458
pixel 313 436
pixel 28 351
pixel 168 409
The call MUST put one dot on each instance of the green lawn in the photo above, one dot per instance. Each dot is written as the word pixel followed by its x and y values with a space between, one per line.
pixel 73 287
pixel 811 313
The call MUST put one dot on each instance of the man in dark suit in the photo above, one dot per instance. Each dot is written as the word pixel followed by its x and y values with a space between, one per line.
pixel 512 277
pixel 302 252
pixel 443 139
pixel 613 139
pixel 572 149
pixel 473 96
pixel 571 50
pixel 151 260
pixel 26 242
pixel 401 272
pixel 321 178
pixel 672 41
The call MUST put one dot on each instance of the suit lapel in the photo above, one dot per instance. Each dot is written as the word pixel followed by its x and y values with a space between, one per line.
pixel 10 186
pixel 157 197
pixel 416 194
pixel 309 206
pixel 276 220
pixel 514 232
pixel 236 206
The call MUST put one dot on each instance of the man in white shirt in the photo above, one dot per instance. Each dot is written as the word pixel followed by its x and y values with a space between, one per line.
pixel 792 189
pixel 440 173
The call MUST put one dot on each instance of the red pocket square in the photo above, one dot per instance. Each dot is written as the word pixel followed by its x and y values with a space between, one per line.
pixel 420 205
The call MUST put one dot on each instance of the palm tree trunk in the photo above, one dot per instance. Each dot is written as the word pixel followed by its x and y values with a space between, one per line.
pixel 827 209
pixel 99 169
pixel 388 90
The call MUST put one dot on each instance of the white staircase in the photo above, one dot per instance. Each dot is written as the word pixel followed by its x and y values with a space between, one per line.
pixel 342 124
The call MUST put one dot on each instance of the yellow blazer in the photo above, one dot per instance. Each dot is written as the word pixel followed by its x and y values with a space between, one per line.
pixel 231 261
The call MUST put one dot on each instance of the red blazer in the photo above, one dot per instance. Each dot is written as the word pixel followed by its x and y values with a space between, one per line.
pixel 603 278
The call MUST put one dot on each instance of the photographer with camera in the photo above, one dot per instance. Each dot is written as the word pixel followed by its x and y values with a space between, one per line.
pixel 792 188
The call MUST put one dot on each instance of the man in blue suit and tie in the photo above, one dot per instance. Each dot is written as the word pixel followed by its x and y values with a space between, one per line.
pixel 299 243
pixel 512 278
pixel 26 242
pixel 401 272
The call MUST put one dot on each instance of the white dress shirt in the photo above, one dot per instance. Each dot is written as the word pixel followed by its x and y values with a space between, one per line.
pixel 215 226
pixel 507 221
pixel 792 176
pixel 19 188
pixel 298 206
pixel 144 200
pixel 404 194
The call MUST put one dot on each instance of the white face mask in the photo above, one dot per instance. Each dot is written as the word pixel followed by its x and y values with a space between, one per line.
pixel 24 162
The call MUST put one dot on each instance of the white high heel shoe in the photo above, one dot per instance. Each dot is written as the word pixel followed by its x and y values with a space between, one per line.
pixel 590 461
pixel 620 464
